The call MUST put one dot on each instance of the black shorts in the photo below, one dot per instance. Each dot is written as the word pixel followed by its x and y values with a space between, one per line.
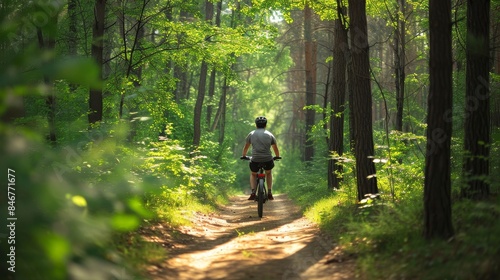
pixel 254 166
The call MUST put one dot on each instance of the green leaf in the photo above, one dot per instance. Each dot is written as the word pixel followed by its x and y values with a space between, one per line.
pixel 56 247
pixel 124 222
pixel 79 201
pixel 137 206
pixel 81 71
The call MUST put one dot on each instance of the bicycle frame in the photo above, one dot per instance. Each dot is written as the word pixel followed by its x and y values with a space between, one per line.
pixel 261 189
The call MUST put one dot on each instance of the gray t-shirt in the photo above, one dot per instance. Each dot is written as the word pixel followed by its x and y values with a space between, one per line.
pixel 261 141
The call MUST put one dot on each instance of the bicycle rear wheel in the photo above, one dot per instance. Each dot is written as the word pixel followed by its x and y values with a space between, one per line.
pixel 261 197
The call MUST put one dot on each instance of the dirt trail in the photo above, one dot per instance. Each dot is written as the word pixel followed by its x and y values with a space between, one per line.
pixel 236 244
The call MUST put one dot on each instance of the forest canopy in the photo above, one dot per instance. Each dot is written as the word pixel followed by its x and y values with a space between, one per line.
pixel 116 114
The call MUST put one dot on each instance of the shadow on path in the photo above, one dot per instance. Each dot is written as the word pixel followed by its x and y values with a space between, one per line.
pixel 235 244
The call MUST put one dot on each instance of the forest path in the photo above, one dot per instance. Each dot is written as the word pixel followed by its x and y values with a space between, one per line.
pixel 234 243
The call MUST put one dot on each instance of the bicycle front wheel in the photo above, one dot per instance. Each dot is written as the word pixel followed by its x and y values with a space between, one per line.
pixel 261 197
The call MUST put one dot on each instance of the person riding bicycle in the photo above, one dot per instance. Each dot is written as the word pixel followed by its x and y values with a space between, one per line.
pixel 261 141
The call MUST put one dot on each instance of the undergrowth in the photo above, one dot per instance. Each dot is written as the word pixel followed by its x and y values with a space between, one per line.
pixel 82 203
pixel 385 234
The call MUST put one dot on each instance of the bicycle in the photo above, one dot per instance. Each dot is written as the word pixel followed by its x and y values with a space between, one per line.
pixel 261 192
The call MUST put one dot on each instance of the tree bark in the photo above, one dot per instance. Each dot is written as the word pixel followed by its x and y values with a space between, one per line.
pixel 337 99
pixel 437 184
pixel 72 27
pixel 201 85
pixel 310 72
pixel 350 86
pixel 211 93
pixel 95 96
pixel 362 100
pixel 477 98
pixel 400 62
pixel 213 72
pixel 199 104
pixel 495 68
pixel 296 83
pixel 47 41
pixel 222 116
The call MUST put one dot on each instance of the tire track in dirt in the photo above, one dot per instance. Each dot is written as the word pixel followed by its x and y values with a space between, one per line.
pixel 235 244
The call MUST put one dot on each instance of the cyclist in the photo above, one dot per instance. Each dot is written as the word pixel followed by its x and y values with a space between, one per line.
pixel 261 141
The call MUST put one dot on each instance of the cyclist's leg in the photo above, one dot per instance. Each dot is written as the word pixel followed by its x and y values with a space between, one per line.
pixel 269 175
pixel 269 179
pixel 254 168
pixel 253 181
pixel 269 182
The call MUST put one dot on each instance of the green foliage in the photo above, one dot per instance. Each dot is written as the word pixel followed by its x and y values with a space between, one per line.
pixel 81 202
pixel 393 245
pixel 495 161
pixel 74 199
pixel 306 183
pixel 138 252
pixel 385 233
pixel 400 164
pixel 185 178
pixel 68 202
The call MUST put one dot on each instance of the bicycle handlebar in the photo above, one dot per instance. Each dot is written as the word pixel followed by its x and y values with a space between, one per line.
pixel 250 158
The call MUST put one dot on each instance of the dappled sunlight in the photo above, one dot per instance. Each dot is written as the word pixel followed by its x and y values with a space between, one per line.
pixel 234 243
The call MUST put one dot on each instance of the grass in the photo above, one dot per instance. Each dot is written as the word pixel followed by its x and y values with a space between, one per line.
pixel 332 213
pixel 388 243
pixel 179 216
pixel 139 253
pixel 386 236
pixel 172 209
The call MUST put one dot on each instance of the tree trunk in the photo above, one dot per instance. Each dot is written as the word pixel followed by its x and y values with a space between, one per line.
pixel 95 96
pixel 213 73
pixel 137 70
pixel 72 28
pixel 199 104
pixel 350 86
pixel 400 62
pixel 181 88
pixel 437 184
pixel 477 98
pixel 47 41
pixel 310 67
pixel 211 93
pixel 337 99
pixel 222 108
pixel 179 72
pixel 296 83
pixel 209 10
pixel 362 100
pixel 133 67
pixel 495 67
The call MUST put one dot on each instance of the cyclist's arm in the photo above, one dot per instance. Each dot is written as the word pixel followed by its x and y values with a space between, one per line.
pixel 245 149
pixel 276 150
